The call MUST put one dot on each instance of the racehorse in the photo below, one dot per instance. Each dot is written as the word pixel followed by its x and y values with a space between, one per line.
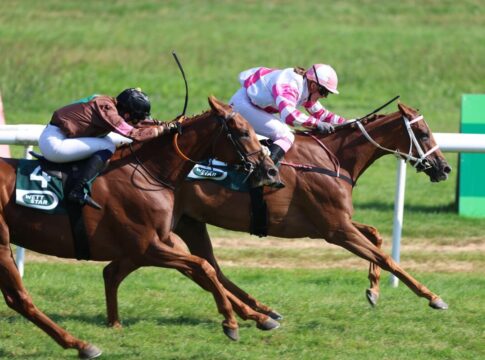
pixel 136 193
pixel 312 204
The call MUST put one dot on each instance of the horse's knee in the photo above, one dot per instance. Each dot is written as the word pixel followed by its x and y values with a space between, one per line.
pixel 20 302
pixel 108 271
pixel 207 268
pixel 375 235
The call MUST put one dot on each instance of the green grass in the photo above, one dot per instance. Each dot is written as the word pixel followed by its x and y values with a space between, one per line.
pixel 166 316
pixel 430 52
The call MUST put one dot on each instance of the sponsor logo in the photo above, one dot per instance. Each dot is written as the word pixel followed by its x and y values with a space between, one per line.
pixel 206 172
pixel 38 199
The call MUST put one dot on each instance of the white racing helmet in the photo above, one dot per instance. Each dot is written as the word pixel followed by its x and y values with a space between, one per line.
pixel 324 75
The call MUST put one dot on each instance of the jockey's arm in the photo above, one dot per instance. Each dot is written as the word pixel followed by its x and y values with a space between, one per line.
pixel 286 99
pixel 117 124
pixel 323 115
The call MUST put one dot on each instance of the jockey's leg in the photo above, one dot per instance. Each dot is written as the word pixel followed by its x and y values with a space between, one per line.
pixel 91 169
pixel 56 147
pixel 266 124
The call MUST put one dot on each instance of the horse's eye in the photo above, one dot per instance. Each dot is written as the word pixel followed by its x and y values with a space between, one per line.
pixel 424 137
pixel 245 134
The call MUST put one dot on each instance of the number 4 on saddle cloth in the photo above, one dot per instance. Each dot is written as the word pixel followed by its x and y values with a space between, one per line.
pixel 41 184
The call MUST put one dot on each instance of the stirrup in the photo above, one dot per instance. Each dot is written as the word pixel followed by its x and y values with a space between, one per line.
pixel 278 184
pixel 83 199
pixel 88 200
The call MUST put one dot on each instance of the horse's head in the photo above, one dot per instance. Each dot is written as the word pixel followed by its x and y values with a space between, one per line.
pixel 424 152
pixel 241 145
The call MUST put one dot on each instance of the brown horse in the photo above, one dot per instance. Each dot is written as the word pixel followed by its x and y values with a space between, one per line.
pixel 137 195
pixel 312 204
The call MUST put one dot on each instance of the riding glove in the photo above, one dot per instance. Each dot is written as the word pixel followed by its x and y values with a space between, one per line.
pixel 325 128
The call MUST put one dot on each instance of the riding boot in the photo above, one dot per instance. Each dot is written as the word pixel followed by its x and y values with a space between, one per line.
pixel 277 154
pixel 93 166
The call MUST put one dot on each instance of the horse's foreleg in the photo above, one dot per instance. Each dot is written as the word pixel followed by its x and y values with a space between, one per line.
pixel 371 233
pixel 18 299
pixel 350 238
pixel 113 274
pixel 197 269
pixel 196 237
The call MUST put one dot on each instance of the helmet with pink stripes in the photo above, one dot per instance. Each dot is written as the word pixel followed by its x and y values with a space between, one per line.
pixel 324 75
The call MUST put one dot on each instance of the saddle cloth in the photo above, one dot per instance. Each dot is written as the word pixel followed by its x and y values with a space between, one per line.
pixel 42 185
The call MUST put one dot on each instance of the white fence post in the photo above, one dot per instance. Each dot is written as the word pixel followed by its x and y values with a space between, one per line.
pixel 20 258
pixel 398 215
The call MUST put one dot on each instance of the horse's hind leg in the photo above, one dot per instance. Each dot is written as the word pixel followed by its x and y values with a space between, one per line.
pixel 199 270
pixel 371 233
pixel 113 274
pixel 350 238
pixel 17 298
pixel 195 235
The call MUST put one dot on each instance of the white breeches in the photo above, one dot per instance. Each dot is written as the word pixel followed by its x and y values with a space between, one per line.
pixel 56 147
pixel 266 124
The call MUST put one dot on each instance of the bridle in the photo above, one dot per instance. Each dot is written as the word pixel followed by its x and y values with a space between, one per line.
pixel 244 157
pixel 421 162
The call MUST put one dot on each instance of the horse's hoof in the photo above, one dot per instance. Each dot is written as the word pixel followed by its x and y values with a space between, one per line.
pixel 275 315
pixel 372 297
pixel 438 304
pixel 268 324
pixel 115 325
pixel 89 352
pixel 232 334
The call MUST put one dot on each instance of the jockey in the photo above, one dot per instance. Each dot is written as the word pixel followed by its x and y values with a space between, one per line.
pixel 78 131
pixel 268 99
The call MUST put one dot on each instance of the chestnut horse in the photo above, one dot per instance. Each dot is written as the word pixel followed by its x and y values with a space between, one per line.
pixel 136 192
pixel 312 204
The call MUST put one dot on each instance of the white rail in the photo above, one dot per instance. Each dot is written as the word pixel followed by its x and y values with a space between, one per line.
pixel 448 143
pixel 28 135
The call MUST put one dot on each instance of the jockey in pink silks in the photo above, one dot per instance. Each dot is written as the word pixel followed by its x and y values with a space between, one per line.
pixel 269 98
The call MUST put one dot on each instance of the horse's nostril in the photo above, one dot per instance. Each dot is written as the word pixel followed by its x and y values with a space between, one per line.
pixel 447 169
pixel 273 172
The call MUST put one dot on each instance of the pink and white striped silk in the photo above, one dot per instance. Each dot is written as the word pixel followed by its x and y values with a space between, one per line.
pixel 283 91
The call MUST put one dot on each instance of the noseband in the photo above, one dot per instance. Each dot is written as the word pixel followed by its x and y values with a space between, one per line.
pixel 421 162
pixel 244 157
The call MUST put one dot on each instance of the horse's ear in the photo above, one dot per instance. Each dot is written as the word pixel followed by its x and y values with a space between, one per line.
pixel 219 106
pixel 406 111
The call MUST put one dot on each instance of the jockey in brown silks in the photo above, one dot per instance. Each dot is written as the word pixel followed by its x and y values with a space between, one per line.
pixel 78 131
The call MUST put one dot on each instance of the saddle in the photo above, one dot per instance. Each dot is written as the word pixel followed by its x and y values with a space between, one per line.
pixel 66 172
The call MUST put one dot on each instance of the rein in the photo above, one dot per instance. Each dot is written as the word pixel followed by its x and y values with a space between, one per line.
pixel 422 161
pixel 158 180
pixel 320 170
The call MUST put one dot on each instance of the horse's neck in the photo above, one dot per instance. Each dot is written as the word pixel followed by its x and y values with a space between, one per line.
pixel 159 158
pixel 356 153
pixel 353 151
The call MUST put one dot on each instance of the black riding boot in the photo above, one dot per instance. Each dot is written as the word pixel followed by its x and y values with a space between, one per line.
pixel 92 167
pixel 277 154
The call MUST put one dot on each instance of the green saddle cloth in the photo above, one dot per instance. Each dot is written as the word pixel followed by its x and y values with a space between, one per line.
pixel 221 173
pixel 36 189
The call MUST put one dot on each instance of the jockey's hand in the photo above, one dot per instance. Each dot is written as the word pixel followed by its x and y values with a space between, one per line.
pixel 325 128
pixel 174 127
